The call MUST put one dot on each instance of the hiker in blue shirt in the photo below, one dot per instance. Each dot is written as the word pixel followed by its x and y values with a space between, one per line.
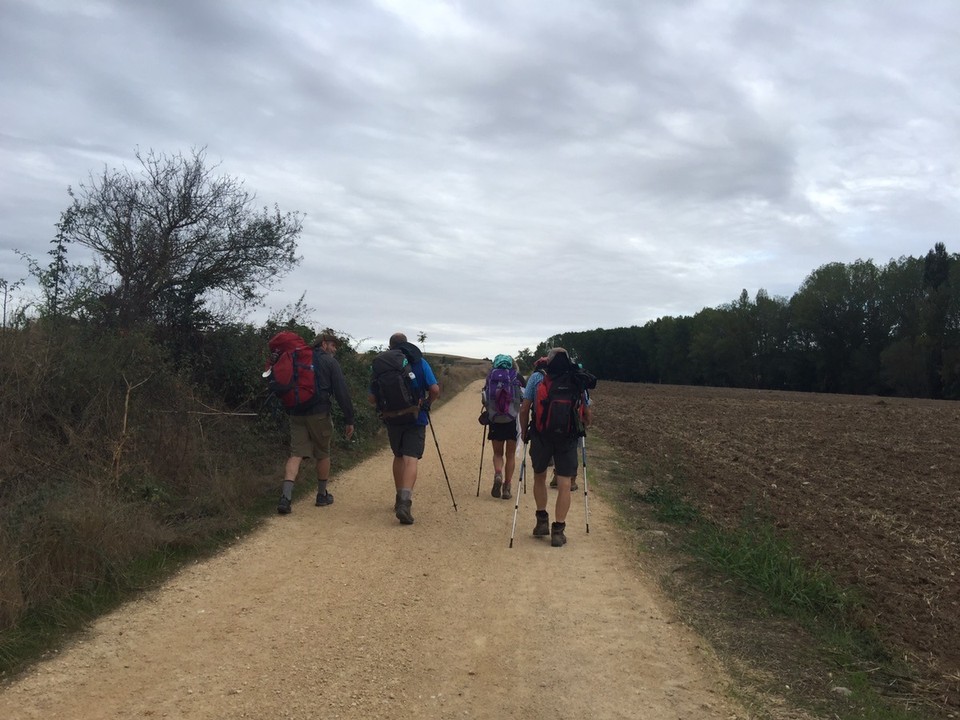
pixel 406 427
pixel 546 445
pixel 530 390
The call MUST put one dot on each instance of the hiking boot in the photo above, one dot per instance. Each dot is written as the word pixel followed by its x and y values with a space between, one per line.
pixel 505 491
pixel 557 538
pixel 553 483
pixel 324 499
pixel 403 512
pixel 542 528
pixel 573 485
pixel 283 507
pixel 497 483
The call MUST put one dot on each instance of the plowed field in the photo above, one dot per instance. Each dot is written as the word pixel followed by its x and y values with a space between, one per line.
pixel 867 487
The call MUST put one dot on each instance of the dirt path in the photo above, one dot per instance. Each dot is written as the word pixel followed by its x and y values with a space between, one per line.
pixel 341 612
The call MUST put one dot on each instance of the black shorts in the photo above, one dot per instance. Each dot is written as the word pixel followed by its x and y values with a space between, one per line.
pixel 502 431
pixel 407 440
pixel 563 453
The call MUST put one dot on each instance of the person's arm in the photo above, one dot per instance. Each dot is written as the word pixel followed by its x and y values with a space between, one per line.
pixel 430 382
pixel 529 395
pixel 342 394
pixel 524 418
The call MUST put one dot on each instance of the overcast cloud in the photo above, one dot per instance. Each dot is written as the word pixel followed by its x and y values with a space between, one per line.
pixel 491 172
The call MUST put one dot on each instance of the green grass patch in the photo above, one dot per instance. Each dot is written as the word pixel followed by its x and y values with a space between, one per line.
pixel 761 559
pixel 669 505
pixel 870 684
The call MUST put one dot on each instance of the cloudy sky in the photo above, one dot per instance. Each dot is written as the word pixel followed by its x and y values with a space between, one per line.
pixel 491 172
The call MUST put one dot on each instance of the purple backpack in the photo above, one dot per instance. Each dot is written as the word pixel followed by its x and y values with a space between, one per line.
pixel 502 395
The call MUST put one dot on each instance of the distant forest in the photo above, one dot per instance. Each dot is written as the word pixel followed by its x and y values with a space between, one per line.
pixel 858 328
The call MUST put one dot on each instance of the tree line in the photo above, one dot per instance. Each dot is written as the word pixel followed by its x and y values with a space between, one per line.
pixel 858 328
pixel 180 251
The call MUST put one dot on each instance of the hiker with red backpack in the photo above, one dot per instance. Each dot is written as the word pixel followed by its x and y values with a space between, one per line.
pixel 502 395
pixel 537 377
pixel 305 378
pixel 559 419
pixel 402 388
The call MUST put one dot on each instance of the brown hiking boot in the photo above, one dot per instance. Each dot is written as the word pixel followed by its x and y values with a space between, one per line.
pixel 505 492
pixel 403 512
pixel 542 528
pixel 557 538
pixel 497 484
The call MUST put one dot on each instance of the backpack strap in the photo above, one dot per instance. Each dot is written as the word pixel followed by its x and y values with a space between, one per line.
pixel 421 375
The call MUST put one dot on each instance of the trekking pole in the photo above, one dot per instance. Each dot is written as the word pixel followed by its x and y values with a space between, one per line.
pixel 434 433
pixel 523 483
pixel 525 456
pixel 486 430
pixel 586 504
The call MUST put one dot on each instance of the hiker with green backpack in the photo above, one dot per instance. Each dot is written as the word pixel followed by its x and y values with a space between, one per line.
pixel 402 388
pixel 501 396
pixel 560 416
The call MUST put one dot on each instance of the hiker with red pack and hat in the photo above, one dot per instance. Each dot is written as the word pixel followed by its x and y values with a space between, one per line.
pixel 556 395
pixel 306 379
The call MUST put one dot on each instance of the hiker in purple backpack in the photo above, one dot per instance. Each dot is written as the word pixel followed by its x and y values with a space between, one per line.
pixel 501 396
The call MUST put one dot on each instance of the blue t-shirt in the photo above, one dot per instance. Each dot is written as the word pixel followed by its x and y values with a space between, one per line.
pixel 530 391
pixel 422 372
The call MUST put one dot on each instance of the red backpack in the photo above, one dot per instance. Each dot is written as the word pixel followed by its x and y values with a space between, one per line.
pixel 291 372
pixel 558 407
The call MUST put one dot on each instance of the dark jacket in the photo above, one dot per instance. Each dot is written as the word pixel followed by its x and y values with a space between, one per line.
pixel 333 385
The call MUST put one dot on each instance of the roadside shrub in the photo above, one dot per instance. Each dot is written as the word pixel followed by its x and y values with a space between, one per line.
pixel 109 455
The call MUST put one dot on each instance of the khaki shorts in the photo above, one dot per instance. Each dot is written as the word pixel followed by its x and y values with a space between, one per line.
pixel 310 436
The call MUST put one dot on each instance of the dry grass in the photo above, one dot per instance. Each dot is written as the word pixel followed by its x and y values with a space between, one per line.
pixel 105 461
pixel 456 376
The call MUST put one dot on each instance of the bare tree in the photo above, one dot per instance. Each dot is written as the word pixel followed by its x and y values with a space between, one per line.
pixel 175 234
pixel 7 288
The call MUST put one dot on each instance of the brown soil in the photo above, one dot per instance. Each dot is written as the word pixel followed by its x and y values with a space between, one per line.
pixel 340 612
pixel 867 488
